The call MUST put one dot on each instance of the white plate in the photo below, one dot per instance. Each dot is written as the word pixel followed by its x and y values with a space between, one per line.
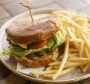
pixel 75 75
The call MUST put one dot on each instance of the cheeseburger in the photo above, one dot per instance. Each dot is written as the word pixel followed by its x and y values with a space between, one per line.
pixel 34 45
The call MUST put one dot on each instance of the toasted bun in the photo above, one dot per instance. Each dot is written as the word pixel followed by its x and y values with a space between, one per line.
pixel 40 62
pixel 24 32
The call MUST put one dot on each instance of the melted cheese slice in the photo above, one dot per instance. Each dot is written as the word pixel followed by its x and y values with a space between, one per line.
pixel 23 46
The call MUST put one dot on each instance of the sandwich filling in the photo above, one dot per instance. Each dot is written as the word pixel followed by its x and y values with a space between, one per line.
pixel 51 44
pixel 34 45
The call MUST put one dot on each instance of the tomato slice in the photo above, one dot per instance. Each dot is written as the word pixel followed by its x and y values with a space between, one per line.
pixel 40 44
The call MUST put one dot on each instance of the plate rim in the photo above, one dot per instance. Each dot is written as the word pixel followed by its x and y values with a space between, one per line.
pixel 28 77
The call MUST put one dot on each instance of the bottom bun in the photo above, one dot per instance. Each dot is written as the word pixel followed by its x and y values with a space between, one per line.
pixel 40 62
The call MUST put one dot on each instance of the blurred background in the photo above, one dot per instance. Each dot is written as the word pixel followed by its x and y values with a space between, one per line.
pixel 10 8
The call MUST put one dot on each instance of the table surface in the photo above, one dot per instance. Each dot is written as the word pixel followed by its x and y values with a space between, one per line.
pixel 10 8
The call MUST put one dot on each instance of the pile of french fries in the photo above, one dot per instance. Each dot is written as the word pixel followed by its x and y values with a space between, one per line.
pixel 75 28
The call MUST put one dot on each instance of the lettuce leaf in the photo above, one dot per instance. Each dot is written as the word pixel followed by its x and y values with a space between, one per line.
pixel 52 43
pixel 5 52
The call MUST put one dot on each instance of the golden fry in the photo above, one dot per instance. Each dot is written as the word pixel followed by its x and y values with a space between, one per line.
pixel 62 73
pixel 79 59
pixel 63 60
pixel 44 72
pixel 86 67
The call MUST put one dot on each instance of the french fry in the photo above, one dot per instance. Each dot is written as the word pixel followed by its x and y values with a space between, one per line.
pixel 81 49
pixel 88 56
pixel 79 59
pixel 54 63
pixel 72 50
pixel 71 35
pixel 74 55
pixel 86 67
pixel 57 63
pixel 62 73
pixel 48 68
pixel 87 53
pixel 43 72
pixel 75 64
pixel 86 41
pixel 81 53
pixel 55 67
pixel 86 33
pixel 76 40
pixel 63 61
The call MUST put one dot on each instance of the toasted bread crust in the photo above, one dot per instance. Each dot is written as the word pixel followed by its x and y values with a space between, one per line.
pixel 40 62
pixel 35 64
pixel 22 32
